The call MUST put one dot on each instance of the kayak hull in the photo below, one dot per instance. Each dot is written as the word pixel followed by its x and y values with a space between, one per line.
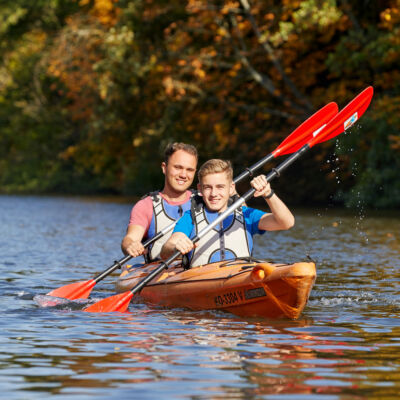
pixel 241 287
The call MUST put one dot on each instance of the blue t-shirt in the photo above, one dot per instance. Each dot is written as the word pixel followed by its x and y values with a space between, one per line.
pixel 251 216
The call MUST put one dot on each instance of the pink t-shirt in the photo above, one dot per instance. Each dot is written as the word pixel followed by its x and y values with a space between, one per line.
pixel 142 212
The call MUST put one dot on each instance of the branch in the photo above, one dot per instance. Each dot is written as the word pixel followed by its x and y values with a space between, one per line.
pixel 263 80
pixel 249 107
pixel 302 99
pixel 347 10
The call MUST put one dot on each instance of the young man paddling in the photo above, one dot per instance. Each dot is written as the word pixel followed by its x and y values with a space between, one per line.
pixel 234 237
pixel 162 208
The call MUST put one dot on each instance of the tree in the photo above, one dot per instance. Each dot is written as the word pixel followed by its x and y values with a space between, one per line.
pixel 97 88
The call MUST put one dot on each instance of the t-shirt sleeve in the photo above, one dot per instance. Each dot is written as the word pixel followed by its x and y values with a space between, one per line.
pixel 141 213
pixel 185 224
pixel 252 217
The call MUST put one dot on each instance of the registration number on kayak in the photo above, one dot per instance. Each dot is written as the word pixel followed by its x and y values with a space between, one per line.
pixel 238 296
pixel 228 298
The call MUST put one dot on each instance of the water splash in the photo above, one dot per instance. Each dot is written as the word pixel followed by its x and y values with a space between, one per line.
pixel 343 299
pixel 25 295
pixel 59 303
pixel 360 217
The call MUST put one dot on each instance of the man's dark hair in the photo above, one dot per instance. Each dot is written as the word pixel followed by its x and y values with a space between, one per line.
pixel 173 147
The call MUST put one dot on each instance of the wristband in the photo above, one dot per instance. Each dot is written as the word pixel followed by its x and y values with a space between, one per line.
pixel 270 195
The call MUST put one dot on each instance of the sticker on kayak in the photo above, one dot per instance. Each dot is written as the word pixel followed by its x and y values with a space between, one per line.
pixel 254 293
pixel 349 122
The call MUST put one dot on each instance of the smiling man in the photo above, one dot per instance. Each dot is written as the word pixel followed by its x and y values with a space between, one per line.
pixel 234 237
pixel 160 209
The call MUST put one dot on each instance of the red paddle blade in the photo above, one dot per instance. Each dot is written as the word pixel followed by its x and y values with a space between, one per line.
pixel 345 118
pixel 119 302
pixel 73 291
pixel 304 132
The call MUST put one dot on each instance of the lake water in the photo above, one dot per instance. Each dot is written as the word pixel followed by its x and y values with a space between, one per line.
pixel 346 344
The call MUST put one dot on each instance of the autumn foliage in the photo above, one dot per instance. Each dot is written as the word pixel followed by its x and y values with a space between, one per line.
pixel 92 90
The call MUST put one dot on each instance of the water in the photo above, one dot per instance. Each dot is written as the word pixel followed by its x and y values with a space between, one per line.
pixel 346 345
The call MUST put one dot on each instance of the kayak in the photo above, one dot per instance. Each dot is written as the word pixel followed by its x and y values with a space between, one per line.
pixel 244 287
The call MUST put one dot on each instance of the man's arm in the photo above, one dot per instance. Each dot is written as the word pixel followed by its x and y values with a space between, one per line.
pixel 280 217
pixel 139 223
pixel 132 242
pixel 177 242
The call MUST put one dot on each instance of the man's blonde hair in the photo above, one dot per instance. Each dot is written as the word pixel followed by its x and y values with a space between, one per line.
pixel 215 166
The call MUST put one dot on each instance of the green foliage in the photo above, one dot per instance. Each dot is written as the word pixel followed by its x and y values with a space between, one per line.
pixel 92 91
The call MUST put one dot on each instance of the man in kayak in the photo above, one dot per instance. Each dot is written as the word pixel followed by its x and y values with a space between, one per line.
pixel 234 237
pixel 160 209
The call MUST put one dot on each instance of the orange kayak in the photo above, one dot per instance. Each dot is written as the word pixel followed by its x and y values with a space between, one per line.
pixel 241 287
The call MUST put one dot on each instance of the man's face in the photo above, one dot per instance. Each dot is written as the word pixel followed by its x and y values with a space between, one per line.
pixel 180 170
pixel 216 190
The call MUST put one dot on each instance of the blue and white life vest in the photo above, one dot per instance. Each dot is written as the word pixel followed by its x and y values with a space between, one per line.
pixel 221 243
pixel 164 214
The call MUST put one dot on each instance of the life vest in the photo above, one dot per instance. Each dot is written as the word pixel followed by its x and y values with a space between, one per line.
pixel 164 214
pixel 221 243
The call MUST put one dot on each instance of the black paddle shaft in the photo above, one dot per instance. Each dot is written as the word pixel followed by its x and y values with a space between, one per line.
pixel 119 263
pixel 152 274
pixel 275 172
pixel 249 171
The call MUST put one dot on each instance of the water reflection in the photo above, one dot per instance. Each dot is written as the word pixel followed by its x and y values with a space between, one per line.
pixel 345 345
pixel 210 352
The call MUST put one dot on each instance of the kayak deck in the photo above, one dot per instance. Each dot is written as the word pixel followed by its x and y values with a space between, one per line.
pixel 246 288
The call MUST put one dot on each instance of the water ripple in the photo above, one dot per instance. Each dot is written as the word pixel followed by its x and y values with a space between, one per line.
pixel 345 345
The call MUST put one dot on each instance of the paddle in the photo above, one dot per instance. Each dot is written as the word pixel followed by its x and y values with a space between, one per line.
pixel 343 120
pixel 302 134
pixel 82 290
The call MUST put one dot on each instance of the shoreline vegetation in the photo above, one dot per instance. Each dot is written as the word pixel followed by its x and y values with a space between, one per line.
pixel 91 91
pixel 325 209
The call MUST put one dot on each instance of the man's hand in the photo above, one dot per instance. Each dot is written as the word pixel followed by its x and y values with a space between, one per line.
pixel 177 242
pixel 184 245
pixel 262 186
pixel 132 242
pixel 135 248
